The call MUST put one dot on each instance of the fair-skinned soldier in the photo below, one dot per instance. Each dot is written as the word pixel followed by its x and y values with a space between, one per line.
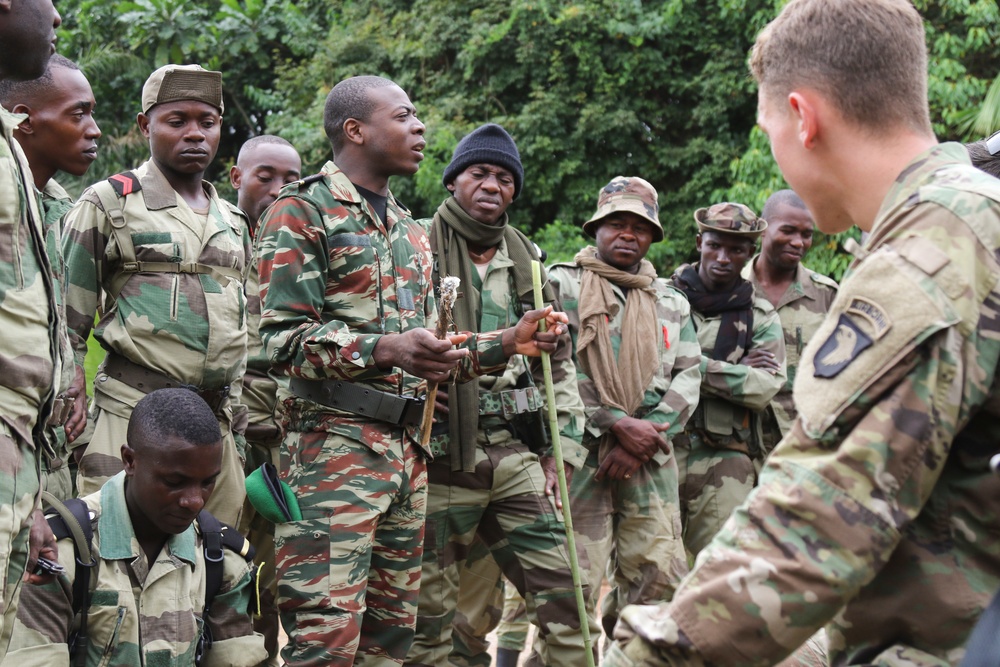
pixel 802 297
pixel 265 164
pixel 877 514
pixel 30 317
pixel 742 368
pixel 161 258
pixel 58 135
pixel 346 294
pixel 487 481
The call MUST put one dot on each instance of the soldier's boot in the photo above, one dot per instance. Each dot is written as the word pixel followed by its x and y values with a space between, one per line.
pixel 507 657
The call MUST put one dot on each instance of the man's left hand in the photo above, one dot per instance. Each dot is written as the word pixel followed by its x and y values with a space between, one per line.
pixel 41 542
pixel 525 338
pixel 552 477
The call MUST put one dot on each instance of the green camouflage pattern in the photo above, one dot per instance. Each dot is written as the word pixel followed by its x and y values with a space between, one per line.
pixel 801 309
pixel 878 514
pixel 720 451
pixel 141 613
pixel 477 612
pixel 191 327
pixel 333 279
pixel 632 528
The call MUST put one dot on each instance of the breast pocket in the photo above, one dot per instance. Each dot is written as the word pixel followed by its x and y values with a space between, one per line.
pixel 106 627
pixel 353 276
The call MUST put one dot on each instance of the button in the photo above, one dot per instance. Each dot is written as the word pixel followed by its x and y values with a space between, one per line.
pixel 355 355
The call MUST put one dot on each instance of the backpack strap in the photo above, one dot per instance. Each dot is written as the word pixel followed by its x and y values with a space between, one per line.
pixel 72 519
pixel 215 536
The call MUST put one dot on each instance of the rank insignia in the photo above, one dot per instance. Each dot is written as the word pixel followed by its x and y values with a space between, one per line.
pixel 842 347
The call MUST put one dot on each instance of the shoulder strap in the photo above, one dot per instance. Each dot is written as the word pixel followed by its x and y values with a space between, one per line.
pixel 72 519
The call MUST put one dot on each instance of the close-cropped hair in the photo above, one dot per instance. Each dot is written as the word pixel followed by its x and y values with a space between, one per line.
pixel 13 92
pixel 261 140
pixel 782 198
pixel 178 413
pixel 981 158
pixel 349 99
pixel 868 58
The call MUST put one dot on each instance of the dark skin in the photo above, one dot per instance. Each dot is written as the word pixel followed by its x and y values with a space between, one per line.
pixel 788 237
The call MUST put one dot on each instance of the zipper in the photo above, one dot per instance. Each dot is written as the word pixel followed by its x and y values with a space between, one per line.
pixel 113 640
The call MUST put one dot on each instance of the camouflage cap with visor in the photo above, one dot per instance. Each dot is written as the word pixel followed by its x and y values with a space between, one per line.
pixel 172 83
pixel 627 194
pixel 730 218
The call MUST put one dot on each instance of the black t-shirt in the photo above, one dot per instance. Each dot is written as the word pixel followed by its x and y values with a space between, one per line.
pixel 377 201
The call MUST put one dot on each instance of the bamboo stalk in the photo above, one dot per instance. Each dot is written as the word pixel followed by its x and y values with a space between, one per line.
pixel 550 402
pixel 449 293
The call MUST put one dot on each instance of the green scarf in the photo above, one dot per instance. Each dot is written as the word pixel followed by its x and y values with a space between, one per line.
pixel 451 233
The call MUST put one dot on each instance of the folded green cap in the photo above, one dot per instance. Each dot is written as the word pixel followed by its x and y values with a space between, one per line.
pixel 272 497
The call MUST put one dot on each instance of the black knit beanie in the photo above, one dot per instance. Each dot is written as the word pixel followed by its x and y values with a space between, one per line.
pixel 487 144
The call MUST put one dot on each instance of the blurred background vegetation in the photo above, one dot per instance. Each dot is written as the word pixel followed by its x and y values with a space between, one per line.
pixel 589 89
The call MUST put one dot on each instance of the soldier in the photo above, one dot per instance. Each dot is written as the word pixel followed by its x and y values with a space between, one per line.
pixel 345 284
pixel 150 557
pixel 264 165
pixel 985 154
pixel 59 134
pixel 30 317
pixel 169 257
pixel 491 471
pixel 742 366
pixel 801 297
pixel 638 360
pixel 877 514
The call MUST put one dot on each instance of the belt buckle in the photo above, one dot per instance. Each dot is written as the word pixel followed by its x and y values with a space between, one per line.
pixel 413 414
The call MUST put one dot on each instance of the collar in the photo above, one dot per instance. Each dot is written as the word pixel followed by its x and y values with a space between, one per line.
pixel 157 192
pixel 343 190
pixel 801 287
pixel 118 539
pixel 10 120
pixel 53 190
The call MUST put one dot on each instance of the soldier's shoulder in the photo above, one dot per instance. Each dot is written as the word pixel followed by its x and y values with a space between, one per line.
pixel 311 187
pixel 822 281
pixel 763 306
pixel 235 210
pixel 666 289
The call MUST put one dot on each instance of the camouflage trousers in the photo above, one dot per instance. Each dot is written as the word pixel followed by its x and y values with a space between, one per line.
pixel 631 529
pixel 512 632
pixel 477 612
pixel 713 482
pixel 502 501
pixel 102 459
pixel 348 572
pixel 57 478
pixel 19 475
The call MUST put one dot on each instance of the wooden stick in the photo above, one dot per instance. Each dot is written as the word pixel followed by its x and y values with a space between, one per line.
pixel 449 293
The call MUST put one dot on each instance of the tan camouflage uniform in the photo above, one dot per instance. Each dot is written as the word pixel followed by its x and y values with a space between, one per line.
pixel 802 309
pixel 188 326
pixel 141 613
pixel 878 513
pixel 30 321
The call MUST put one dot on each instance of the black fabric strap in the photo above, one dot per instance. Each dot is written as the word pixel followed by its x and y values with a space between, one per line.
pixel 361 400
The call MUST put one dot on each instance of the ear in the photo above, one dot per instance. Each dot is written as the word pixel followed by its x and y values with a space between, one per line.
pixel 450 187
pixel 354 131
pixel 235 177
pixel 128 459
pixel 25 127
pixel 5 5
pixel 697 242
pixel 806 111
pixel 142 120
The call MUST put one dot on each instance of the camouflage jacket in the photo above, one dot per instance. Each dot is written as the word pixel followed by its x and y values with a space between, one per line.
pixel 189 326
pixel 334 279
pixel 140 613
pixel 802 309
pixel 56 202
pixel 878 513
pixel 672 394
pixel 30 316
pixel 499 309
pixel 726 387
pixel 260 388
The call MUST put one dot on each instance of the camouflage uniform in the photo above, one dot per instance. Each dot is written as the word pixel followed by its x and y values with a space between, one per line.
pixel 140 613
pixel 503 501
pixel 720 450
pixel 30 320
pixel 878 512
pixel 187 326
pixel 802 309
pixel 361 483
pixel 632 527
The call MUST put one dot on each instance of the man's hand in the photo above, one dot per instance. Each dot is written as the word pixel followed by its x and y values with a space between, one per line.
pixel 552 477
pixel 77 420
pixel 641 438
pixel 525 338
pixel 41 542
pixel 618 465
pixel 419 352
pixel 762 359
pixel 441 404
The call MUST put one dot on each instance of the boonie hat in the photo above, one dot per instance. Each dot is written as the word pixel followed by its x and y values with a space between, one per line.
pixel 730 218
pixel 172 83
pixel 629 194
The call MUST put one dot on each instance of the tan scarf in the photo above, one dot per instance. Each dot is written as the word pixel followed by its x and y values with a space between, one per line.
pixel 620 384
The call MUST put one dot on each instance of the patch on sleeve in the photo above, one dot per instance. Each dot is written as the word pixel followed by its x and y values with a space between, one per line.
pixel 842 347
pixel 872 313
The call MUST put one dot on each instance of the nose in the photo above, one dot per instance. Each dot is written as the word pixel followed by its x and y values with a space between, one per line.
pixel 418 127
pixel 94 131
pixel 491 183
pixel 723 257
pixel 194 132
pixel 56 18
pixel 192 500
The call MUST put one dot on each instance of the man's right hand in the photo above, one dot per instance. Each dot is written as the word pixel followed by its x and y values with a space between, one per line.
pixel 762 359
pixel 618 465
pixel 418 352
pixel 641 438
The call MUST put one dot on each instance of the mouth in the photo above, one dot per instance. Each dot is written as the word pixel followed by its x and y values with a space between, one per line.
pixel 488 203
pixel 419 149
pixel 194 153
pixel 52 47
pixel 91 153
pixel 626 250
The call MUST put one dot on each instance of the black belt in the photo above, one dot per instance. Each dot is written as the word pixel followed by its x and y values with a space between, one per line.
pixel 361 400
pixel 147 380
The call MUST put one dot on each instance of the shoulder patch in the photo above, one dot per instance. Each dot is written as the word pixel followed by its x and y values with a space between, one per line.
pixel 826 281
pixel 842 347
pixel 125 183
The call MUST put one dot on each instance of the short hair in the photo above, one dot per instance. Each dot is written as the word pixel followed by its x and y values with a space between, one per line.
pixel 867 57
pixel 176 412
pixel 13 92
pixel 261 140
pixel 781 198
pixel 981 158
pixel 349 99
